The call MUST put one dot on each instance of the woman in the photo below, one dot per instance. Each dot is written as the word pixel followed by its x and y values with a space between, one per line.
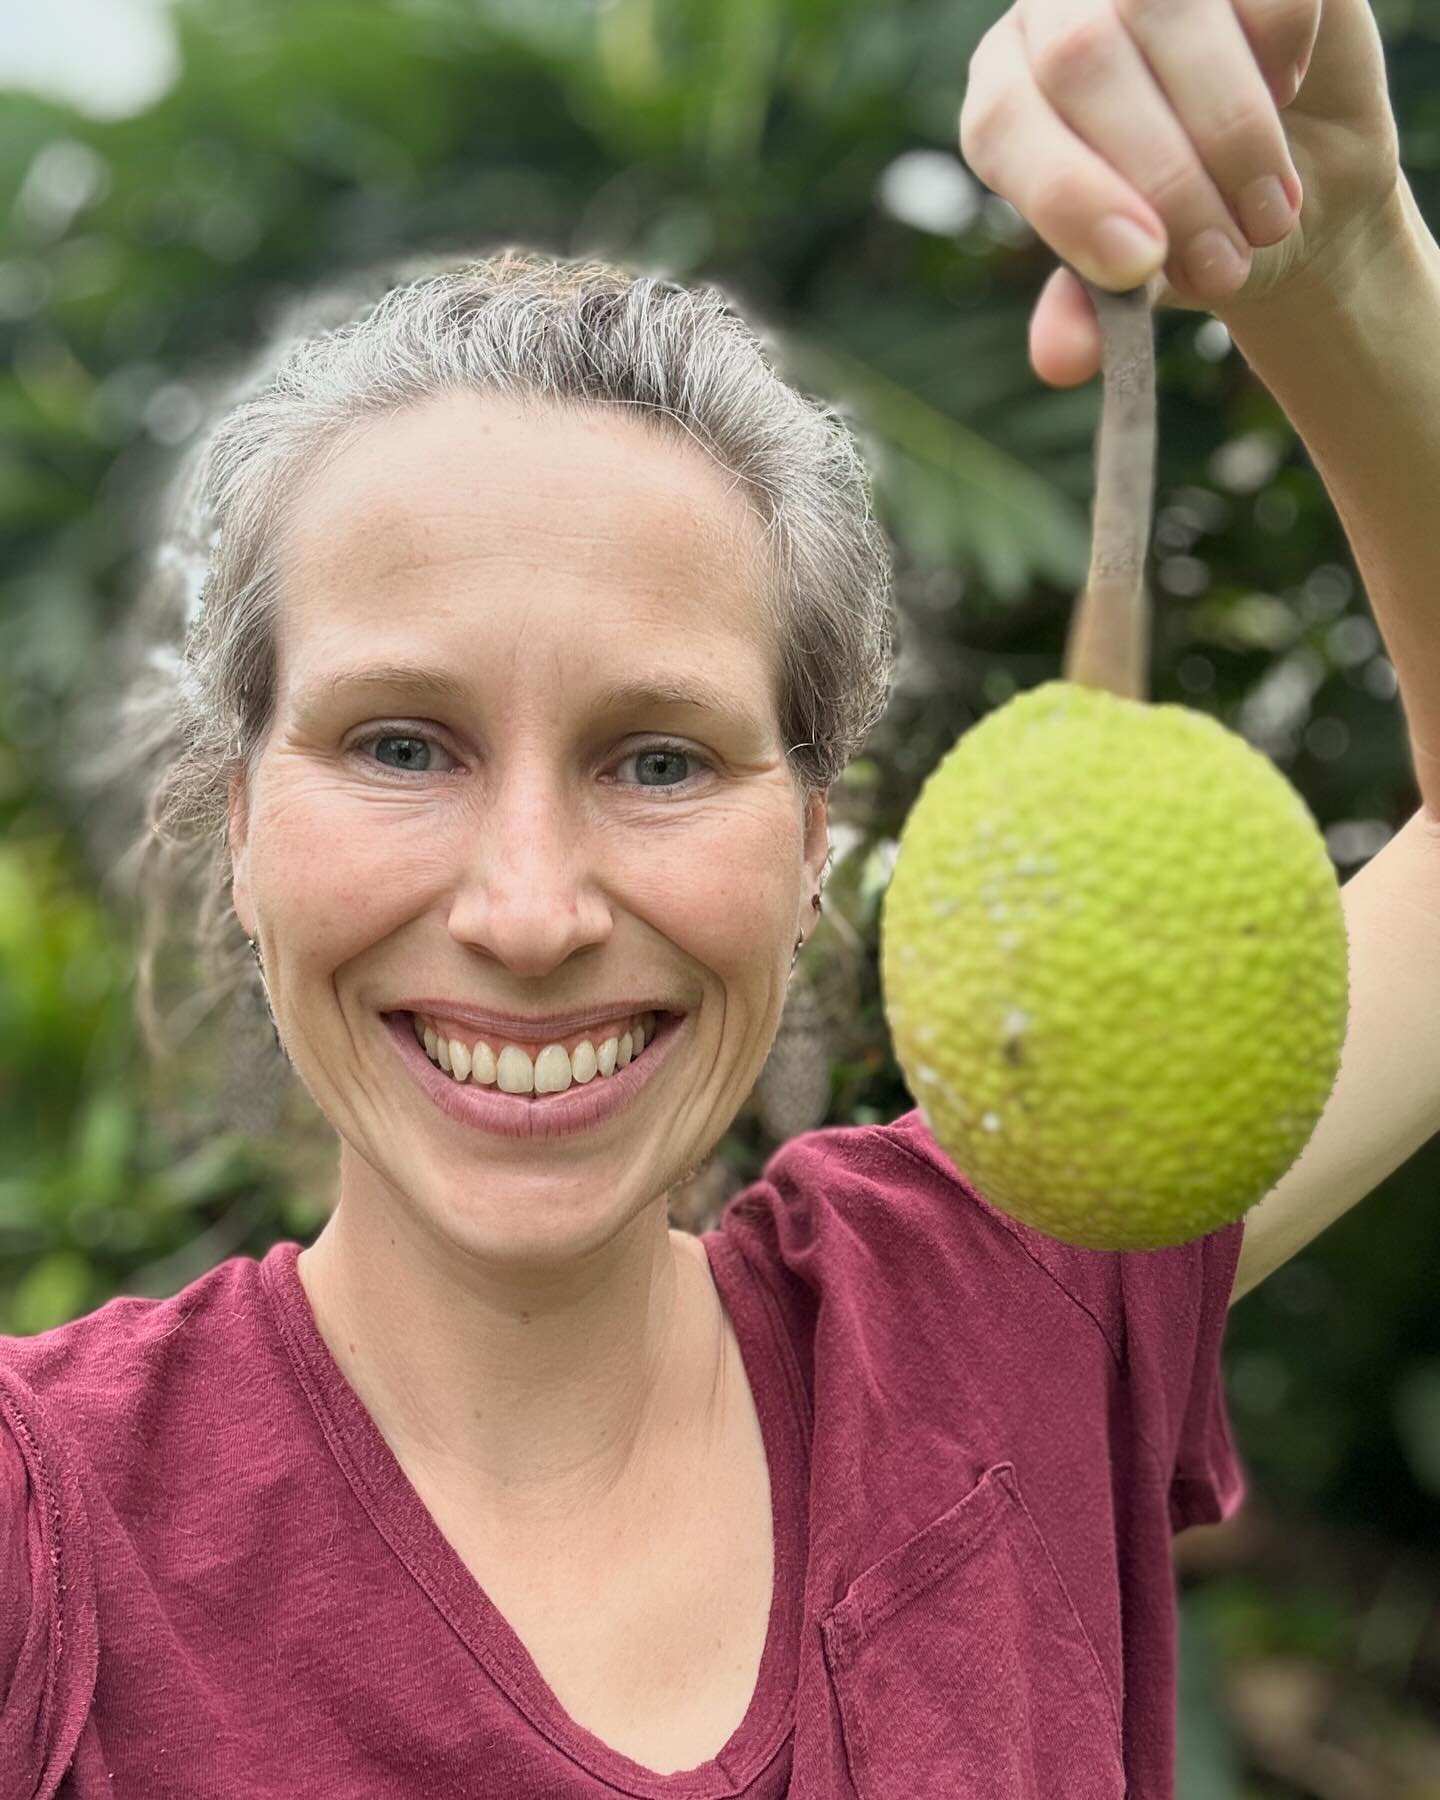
pixel 538 620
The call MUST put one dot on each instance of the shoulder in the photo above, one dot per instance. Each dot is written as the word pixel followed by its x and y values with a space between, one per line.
pixel 875 1248
pixel 883 1206
pixel 132 1333
pixel 140 1373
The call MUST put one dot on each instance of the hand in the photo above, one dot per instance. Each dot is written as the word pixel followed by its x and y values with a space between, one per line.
pixel 1166 113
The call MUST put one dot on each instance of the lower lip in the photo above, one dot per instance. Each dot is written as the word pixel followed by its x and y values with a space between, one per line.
pixel 535 1115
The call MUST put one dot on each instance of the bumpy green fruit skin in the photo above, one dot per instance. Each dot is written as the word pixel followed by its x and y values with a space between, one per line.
pixel 1114 965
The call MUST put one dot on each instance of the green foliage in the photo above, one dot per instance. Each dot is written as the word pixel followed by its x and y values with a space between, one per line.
pixel 1206 1760
pixel 100 1192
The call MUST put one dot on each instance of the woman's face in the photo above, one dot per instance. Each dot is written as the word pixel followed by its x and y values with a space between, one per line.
pixel 505 828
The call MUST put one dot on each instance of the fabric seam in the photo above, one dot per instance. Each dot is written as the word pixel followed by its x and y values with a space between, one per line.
pixel 1008 1225
pixel 1122 1364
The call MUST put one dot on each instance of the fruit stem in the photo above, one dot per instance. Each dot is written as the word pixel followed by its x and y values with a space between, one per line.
pixel 1109 642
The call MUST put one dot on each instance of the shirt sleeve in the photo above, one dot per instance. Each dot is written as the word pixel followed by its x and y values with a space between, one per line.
pixel 48 1645
pixel 1176 1305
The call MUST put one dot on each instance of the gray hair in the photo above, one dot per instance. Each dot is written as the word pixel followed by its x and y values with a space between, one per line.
pixel 531 326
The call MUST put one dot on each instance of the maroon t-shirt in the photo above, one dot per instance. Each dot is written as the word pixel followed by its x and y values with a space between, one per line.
pixel 216 1582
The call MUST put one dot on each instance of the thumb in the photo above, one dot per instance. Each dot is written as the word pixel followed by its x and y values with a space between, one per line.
pixel 1064 332
pixel 1065 347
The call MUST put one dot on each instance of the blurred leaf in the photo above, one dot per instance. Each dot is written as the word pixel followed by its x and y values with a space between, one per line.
pixel 949 491
pixel 58 1288
pixel 1206 1764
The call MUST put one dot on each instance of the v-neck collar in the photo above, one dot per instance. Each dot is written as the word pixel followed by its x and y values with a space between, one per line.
pixel 407 1526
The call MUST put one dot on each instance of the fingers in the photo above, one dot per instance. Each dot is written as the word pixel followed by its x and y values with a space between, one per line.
pixel 1155 110
pixel 1282 35
pixel 1208 74
pixel 1091 70
pixel 1019 146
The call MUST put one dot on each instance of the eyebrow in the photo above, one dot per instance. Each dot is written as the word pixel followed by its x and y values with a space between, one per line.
pixel 631 694
pixel 693 691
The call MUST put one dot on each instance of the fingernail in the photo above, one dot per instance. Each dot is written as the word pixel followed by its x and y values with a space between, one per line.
pixel 1265 211
pixel 1214 265
pixel 1127 249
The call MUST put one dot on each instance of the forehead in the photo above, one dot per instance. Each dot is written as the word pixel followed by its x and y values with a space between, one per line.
pixel 492 495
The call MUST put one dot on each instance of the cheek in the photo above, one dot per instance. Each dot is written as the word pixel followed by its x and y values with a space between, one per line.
pixel 337 873
pixel 728 887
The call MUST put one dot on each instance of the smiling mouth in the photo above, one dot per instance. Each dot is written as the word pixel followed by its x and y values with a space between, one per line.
pixel 538 1070
pixel 518 1110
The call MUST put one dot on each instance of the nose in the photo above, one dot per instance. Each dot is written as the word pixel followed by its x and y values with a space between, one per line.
pixel 524 892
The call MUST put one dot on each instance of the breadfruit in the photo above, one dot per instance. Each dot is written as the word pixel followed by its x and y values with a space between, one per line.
pixel 1113 957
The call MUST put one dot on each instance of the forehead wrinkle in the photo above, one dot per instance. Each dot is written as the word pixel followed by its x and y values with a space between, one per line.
pixel 392 539
pixel 449 595
pixel 719 525
pixel 452 592
pixel 614 645
pixel 377 525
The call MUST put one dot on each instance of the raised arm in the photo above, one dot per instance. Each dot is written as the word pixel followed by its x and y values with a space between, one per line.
pixel 1357 369
pixel 1354 359
pixel 1386 1101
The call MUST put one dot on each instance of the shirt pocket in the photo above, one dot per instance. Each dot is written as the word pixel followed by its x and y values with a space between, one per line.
pixel 961 1669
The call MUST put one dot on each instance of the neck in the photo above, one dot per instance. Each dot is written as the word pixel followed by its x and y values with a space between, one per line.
pixel 544 1390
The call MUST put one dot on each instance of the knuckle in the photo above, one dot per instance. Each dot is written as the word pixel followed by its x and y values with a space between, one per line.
pixel 1175 187
pixel 1082 44
pixel 1229 127
pixel 1152 14
pixel 1060 198
pixel 984 118
pixel 987 61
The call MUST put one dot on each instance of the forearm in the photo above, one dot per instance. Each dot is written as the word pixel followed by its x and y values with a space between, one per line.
pixel 1358 374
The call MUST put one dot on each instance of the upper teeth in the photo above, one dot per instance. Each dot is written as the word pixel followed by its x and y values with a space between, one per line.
pixel 550 1072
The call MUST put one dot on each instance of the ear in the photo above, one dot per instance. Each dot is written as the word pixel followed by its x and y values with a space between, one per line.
pixel 238 833
pixel 817 837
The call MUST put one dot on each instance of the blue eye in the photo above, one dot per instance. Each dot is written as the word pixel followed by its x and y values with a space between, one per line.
pixel 667 756
pixel 414 751
pixel 660 767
